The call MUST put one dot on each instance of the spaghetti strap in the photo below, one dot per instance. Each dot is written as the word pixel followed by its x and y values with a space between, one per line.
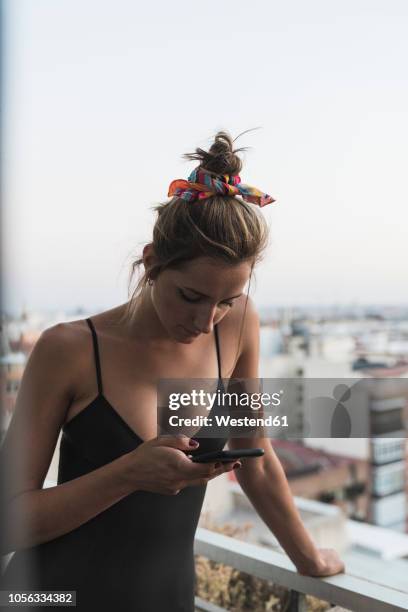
pixel 217 344
pixel 96 354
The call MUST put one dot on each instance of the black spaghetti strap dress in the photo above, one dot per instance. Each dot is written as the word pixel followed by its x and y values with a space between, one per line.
pixel 136 556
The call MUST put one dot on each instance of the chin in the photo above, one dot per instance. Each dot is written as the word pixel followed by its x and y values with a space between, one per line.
pixel 185 340
pixel 183 336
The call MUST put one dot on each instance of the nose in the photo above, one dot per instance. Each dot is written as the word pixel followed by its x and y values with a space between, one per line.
pixel 204 320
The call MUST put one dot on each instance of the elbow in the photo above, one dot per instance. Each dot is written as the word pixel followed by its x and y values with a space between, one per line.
pixel 18 524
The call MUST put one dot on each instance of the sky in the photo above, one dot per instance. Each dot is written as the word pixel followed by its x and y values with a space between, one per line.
pixel 102 98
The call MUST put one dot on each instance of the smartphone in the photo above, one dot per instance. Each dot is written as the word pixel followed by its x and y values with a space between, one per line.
pixel 229 455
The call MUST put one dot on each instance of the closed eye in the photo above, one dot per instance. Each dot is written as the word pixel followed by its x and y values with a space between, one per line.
pixel 196 300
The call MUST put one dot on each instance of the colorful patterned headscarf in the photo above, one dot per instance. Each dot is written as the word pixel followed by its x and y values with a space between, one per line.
pixel 202 184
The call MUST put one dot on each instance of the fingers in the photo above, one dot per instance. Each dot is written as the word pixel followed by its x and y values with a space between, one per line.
pixel 232 465
pixel 334 565
pixel 214 472
pixel 179 441
pixel 211 470
pixel 228 466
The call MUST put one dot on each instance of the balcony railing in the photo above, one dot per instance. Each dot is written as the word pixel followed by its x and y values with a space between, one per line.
pixel 350 591
pixel 360 591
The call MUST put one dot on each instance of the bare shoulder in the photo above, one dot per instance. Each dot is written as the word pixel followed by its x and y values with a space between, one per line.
pixel 243 320
pixel 64 347
pixel 244 312
pixel 67 337
pixel 250 311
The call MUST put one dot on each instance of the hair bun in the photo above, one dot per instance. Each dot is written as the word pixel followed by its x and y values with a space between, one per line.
pixel 221 158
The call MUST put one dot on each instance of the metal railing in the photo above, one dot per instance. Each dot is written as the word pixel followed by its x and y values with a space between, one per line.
pixel 357 593
pixel 351 592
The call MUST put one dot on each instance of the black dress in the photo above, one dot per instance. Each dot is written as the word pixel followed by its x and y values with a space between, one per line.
pixel 136 556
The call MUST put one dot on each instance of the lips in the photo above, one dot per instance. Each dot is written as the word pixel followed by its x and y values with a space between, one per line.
pixel 191 333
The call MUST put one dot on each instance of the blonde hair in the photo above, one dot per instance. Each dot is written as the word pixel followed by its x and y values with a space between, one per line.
pixel 220 227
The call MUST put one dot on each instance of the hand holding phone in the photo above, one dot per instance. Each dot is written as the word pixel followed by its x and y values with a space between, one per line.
pixel 226 456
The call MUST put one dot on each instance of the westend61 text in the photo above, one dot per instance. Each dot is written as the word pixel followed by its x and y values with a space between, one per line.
pixel 207 400
pixel 228 421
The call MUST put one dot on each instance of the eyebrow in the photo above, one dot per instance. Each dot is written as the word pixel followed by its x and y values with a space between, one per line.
pixel 208 296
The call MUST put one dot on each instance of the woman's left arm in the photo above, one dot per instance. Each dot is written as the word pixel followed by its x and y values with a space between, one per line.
pixel 264 482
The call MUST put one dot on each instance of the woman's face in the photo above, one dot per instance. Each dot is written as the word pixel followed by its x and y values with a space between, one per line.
pixel 189 301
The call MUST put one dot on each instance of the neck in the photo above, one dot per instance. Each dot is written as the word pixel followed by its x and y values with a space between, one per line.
pixel 144 324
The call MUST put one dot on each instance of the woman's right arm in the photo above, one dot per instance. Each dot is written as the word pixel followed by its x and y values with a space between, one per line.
pixel 31 514
pixel 40 515
pixel 34 515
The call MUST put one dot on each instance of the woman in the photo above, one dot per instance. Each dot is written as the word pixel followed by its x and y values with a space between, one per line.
pixel 119 527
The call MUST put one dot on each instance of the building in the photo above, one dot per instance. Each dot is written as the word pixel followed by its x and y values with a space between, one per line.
pixel 11 371
pixel 388 459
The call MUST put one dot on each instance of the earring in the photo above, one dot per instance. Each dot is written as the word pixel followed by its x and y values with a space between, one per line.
pixel 149 281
